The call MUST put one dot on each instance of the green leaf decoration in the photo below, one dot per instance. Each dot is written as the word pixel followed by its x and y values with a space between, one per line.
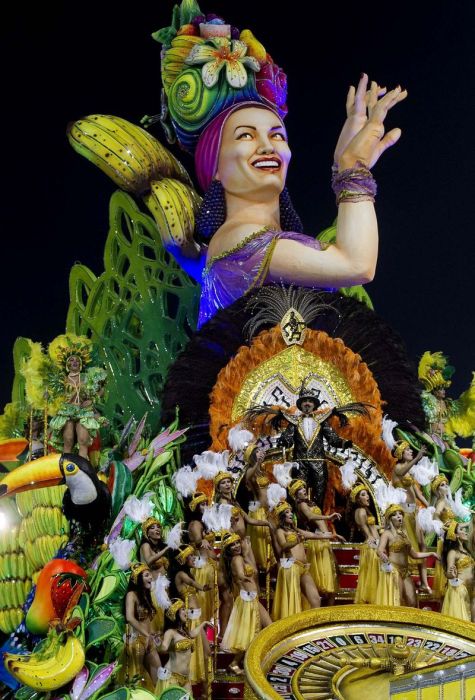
pixel 110 583
pixel 189 9
pixel 141 694
pixel 84 604
pixel 164 36
pixel 140 312
pixel 99 629
pixel 117 694
pixel 174 692
pixel 27 693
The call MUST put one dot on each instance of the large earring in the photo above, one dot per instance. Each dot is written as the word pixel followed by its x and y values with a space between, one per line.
pixel 212 212
pixel 289 219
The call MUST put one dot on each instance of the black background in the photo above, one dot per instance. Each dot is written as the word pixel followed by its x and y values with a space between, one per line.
pixel 66 60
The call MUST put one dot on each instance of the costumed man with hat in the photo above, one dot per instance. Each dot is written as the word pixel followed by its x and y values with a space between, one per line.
pixel 306 433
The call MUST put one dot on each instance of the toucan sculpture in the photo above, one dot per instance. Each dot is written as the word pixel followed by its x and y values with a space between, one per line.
pixel 86 500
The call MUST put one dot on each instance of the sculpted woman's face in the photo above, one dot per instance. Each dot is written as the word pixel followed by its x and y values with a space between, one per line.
pixel 254 154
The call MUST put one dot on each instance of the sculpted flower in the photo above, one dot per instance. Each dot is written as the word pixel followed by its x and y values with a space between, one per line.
pixel 271 83
pixel 218 53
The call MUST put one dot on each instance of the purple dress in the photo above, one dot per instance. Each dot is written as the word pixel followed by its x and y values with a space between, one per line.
pixel 232 274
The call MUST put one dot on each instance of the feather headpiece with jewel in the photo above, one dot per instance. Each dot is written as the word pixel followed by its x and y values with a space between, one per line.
pixel 68 345
pixel 434 371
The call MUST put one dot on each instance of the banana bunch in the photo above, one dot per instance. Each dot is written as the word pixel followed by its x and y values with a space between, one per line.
pixel 173 205
pixel 128 154
pixel 173 60
pixel 44 528
pixel 15 580
pixel 44 520
pixel 24 551
pixel 138 163
pixel 56 663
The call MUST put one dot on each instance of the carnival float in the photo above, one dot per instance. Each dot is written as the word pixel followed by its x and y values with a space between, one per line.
pixel 226 478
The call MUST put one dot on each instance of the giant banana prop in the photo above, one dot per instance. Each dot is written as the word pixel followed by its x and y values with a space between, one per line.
pixel 138 163
pixel 58 660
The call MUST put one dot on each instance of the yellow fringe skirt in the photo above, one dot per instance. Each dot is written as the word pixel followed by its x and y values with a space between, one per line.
pixel 439 586
pixel 368 575
pixel 198 662
pixel 457 602
pixel 259 537
pixel 132 660
pixel 243 624
pixel 287 597
pixel 322 565
pixel 205 575
pixel 387 592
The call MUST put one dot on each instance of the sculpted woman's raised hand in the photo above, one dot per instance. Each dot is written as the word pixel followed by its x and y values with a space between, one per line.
pixel 363 138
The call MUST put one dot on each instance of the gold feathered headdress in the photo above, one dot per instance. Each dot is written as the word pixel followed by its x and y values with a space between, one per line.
pixel 434 371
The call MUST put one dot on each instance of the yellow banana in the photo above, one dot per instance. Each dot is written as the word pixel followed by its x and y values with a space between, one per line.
pixel 128 154
pixel 173 205
pixel 54 671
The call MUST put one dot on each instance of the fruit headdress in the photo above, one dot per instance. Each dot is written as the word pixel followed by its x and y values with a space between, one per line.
pixel 209 66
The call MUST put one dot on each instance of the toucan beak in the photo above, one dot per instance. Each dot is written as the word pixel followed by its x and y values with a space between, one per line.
pixel 38 474
pixel 11 450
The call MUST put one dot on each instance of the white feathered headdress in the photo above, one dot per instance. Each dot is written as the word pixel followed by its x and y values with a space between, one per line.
pixel 239 438
pixel 174 536
pixel 386 495
pixel 139 510
pixel 427 522
pixel 275 494
pixel 160 589
pixel 282 473
pixel 461 511
pixel 185 480
pixel 387 432
pixel 216 518
pixel 348 474
pixel 209 463
pixel 424 471
pixel 122 551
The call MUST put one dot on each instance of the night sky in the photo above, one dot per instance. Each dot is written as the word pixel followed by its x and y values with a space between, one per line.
pixel 64 62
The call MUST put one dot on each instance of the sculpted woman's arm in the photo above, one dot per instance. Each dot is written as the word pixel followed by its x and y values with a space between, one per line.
pixel 352 260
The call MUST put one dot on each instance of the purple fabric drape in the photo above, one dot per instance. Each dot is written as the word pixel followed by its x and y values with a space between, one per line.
pixel 233 274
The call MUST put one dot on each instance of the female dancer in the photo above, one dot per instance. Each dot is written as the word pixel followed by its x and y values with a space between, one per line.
pixel 365 522
pixel 179 643
pixel 152 547
pixel 140 611
pixel 319 552
pixel 396 586
pixel 402 479
pixel 248 615
pixel 257 481
pixel 459 599
pixel 187 587
pixel 443 504
pixel 204 566
pixel 294 577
